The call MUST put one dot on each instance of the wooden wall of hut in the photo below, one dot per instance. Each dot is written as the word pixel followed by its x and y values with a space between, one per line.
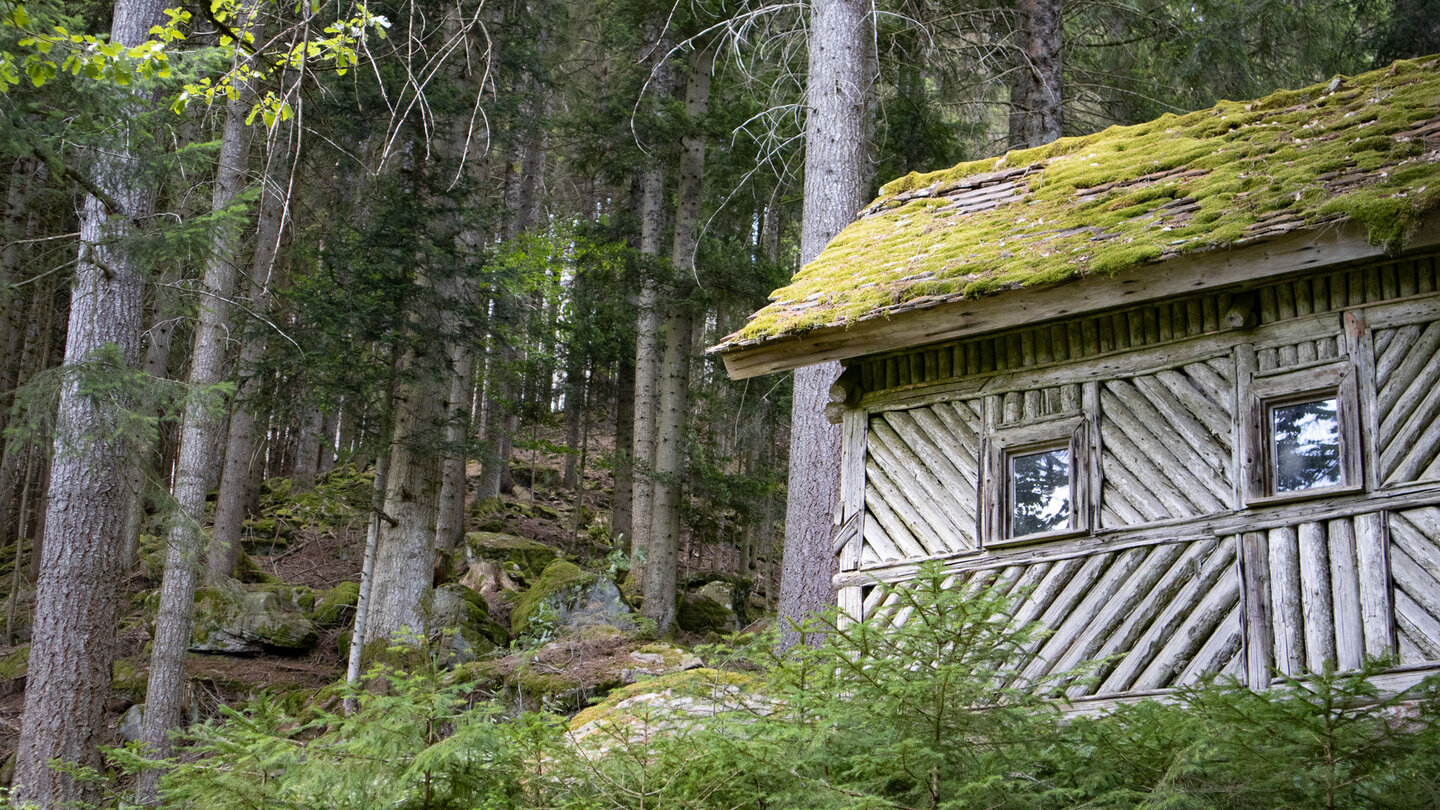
pixel 1182 573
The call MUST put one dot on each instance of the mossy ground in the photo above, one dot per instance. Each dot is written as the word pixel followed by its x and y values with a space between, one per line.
pixel 16 663
pixel 1280 155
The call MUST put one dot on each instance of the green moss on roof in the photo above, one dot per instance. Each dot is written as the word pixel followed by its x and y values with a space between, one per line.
pixel 1365 148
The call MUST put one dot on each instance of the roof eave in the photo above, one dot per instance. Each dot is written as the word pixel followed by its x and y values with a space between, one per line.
pixel 1333 244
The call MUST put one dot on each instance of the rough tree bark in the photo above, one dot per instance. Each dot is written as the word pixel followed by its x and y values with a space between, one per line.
pixel 837 172
pixel 308 442
pixel 450 521
pixel 622 504
pixel 647 336
pixel 202 422
pixel 670 427
pixel 232 501
pixel 405 551
pixel 1035 88
pixel 77 604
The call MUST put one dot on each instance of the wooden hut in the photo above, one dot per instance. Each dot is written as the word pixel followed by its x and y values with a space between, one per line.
pixel 1175 386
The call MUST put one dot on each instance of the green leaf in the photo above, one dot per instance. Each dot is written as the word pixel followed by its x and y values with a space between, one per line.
pixel 39 72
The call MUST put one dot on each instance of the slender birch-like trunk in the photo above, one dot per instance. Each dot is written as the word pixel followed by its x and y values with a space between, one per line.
pixel 622 503
pixel 77 600
pixel 372 536
pixel 837 173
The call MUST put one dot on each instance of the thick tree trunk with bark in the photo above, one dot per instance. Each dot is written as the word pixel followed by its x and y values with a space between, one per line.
pixel 647 364
pixel 202 422
pixel 1036 114
pixel 669 467
pixel 647 335
pixel 308 442
pixel 405 551
pixel 450 521
pixel 670 428
pixel 837 170
pixel 77 604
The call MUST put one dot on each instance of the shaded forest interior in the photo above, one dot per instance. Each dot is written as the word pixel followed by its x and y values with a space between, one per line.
pixel 417 295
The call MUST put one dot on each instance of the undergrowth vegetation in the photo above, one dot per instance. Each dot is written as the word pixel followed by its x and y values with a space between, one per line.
pixel 923 713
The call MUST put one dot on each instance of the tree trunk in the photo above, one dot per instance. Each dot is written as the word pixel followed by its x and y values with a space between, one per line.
pixel 670 428
pixel 647 365
pixel 622 504
pixel 450 522
pixel 77 601
pixel 12 257
pixel 308 442
pixel 329 447
pixel 372 536
pixel 242 457
pixel 669 467
pixel 405 551
pixel 186 538
pixel 647 335
pixel 501 393
pixel 1036 114
pixel 836 179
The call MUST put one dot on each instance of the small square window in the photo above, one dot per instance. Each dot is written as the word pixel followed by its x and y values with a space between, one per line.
pixel 1304 440
pixel 1035 482
pixel 1304 434
pixel 1040 491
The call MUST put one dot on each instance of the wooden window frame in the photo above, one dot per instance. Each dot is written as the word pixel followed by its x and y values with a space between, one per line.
pixel 1289 386
pixel 1070 432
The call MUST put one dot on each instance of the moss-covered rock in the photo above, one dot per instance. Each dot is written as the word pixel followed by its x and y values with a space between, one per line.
pixel 338 498
pixel 129 679
pixel 551 691
pixel 701 614
pixel 567 599
pixel 537 477
pixel 297 596
pixel 487 515
pixel 523 559
pixel 555 585
pixel 247 572
pixel 462 626
pixel 241 622
pixel 695 693
pixel 336 604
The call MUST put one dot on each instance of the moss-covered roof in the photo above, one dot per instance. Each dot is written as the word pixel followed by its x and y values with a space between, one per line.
pixel 1365 148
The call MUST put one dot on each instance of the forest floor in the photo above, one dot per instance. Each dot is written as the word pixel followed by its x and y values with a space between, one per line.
pixel 304 545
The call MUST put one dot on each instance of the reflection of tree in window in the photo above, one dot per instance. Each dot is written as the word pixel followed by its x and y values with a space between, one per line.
pixel 1039 492
pixel 1305 445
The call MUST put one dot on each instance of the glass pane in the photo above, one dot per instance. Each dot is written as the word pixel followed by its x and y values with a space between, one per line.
pixel 1305 445
pixel 1039 492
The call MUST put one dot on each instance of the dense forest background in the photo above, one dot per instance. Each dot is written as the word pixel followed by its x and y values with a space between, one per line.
pixel 469 255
